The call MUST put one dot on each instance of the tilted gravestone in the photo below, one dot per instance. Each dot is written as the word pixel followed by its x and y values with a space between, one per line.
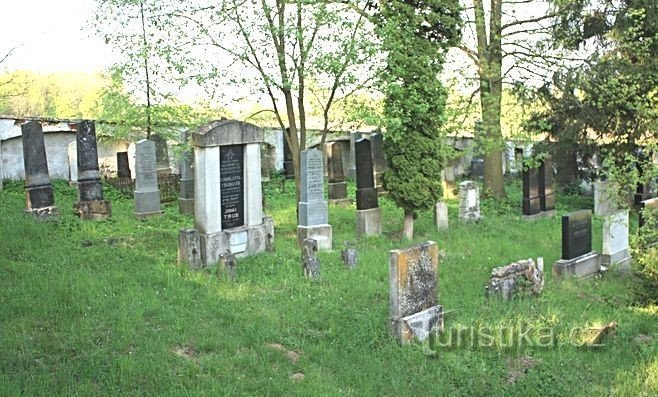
pixel 378 160
pixel 546 191
pixel 228 211
pixel 313 219
pixel 413 292
pixel 147 193
pixel 469 201
pixel 519 279
pixel 73 163
pixel 310 261
pixel 441 215
pixel 186 190
pixel 123 165
pixel 578 259
pixel 40 199
pixel 337 185
pixel 91 204
pixel 368 213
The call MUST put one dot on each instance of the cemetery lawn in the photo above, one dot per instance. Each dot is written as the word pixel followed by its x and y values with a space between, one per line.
pixel 101 308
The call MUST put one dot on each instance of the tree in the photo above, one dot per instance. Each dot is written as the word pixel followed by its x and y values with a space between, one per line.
pixel 415 36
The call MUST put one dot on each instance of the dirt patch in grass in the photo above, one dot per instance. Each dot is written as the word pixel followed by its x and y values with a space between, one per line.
pixel 292 355
pixel 518 368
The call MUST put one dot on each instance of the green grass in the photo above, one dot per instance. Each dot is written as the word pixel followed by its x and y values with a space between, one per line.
pixel 101 308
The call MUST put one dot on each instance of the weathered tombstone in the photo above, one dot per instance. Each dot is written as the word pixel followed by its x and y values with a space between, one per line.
pixel 73 163
pixel 413 292
pixel 189 248
pixel 531 201
pixel 288 167
pixel 578 259
pixel 522 278
pixel 161 154
pixel 441 215
pixel 228 211
pixel 38 190
pixel 91 204
pixel 229 263
pixel 477 167
pixel 349 256
pixel 378 160
pixel 616 248
pixel 546 191
pixel 313 222
pixel 351 169
pixel 123 165
pixel 469 201
pixel 368 213
pixel 147 194
pixel 186 190
pixel 337 185
pixel 310 262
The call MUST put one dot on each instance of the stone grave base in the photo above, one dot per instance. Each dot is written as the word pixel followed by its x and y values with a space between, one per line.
pixel 147 204
pixel 541 215
pixel 186 205
pixel 419 325
pixel 619 260
pixel 144 215
pixel 240 241
pixel 344 202
pixel 369 222
pixel 93 210
pixel 43 212
pixel 583 266
pixel 320 233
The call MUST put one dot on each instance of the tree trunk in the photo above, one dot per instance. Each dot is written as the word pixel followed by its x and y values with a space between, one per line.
pixel 408 230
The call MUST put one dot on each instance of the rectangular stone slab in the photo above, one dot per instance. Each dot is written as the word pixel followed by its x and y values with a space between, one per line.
pixel 546 192
pixel 576 234
pixel 531 199
pixel 231 171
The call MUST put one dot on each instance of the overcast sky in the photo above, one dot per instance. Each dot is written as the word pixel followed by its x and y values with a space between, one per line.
pixel 50 36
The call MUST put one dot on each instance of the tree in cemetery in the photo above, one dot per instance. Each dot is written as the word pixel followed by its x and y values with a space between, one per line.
pixel 415 36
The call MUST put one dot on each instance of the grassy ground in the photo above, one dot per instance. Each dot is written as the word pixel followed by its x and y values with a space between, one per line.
pixel 100 308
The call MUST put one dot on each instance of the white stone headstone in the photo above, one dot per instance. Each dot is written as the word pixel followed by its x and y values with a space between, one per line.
pixel 147 194
pixel 441 215
pixel 73 161
pixel 616 248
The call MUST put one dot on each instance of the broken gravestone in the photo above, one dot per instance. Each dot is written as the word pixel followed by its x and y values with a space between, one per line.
pixel 522 278
pixel 310 262
pixel 349 256
pixel 229 263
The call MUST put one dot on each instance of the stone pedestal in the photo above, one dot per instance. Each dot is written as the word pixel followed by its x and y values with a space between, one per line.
pixel 541 215
pixel 369 222
pixel 584 266
pixel 95 210
pixel 241 241
pixel 322 234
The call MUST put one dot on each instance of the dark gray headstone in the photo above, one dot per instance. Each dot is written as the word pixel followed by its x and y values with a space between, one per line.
pixel 123 165
pixel 231 171
pixel 477 167
pixel 288 166
pixel 366 194
pixel 89 182
pixel 531 201
pixel 576 234
pixel 546 192
pixel 38 190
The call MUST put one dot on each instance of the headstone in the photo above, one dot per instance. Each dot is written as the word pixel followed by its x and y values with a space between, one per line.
pixel 351 168
pixel 228 210
pixel 368 213
pixel 288 166
pixel 310 262
pixel 349 256
pixel 522 278
pixel 531 200
pixel 73 162
pixel 378 160
pixel 147 193
pixel 189 248
pixel 123 165
pixel 161 154
pixel 313 213
pixel 616 248
pixel 477 167
pixel 91 204
pixel 337 185
pixel 441 215
pixel 230 265
pixel 38 190
pixel 546 192
pixel 578 259
pixel 413 292
pixel 469 201
pixel 186 192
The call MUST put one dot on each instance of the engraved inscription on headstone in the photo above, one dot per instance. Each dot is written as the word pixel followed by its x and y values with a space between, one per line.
pixel 312 207
pixel 231 171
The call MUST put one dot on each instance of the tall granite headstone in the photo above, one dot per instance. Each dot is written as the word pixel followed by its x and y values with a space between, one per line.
pixel 546 191
pixel 578 259
pixel 288 166
pixel 368 213
pixel 39 196
pixel 469 201
pixel 313 220
pixel 73 163
pixel 91 204
pixel 228 210
pixel 186 192
pixel 378 160
pixel 147 193
pixel 531 199
pixel 123 165
pixel 337 185
pixel 413 292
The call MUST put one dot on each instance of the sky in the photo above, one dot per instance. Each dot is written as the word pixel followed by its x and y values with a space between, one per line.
pixel 51 36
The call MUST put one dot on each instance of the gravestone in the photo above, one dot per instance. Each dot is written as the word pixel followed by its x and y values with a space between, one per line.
pixel 73 163
pixel 228 211
pixel 616 248
pixel 91 204
pixel 519 279
pixel 368 213
pixel 186 190
pixel 469 201
pixel 531 200
pixel 147 193
pixel 378 160
pixel 604 199
pixel 288 166
pixel 161 154
pixel 189 248
pixel 546 191
pixel 38 190
pixel 310 261
pixel 477 167
pixel 578 259
pixel 413 292
pixel 313 222
pixel 441 215
pixel 337 185
pixel 123 165
pixel 349 256
pixel 351 168
pixel 229 263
